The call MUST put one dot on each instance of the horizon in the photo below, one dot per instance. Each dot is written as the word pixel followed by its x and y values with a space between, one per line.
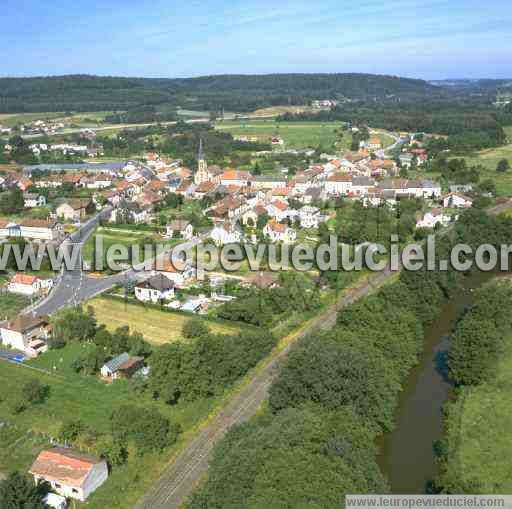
pixel 422 39
pixel 95 75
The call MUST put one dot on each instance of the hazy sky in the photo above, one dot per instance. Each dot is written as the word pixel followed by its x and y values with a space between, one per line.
pixel 165 38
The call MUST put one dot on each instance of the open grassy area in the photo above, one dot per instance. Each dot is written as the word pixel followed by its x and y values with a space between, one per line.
pixel 296 135
pixel 111 236
pixel 480 431
pixel 12 119
pixel 489 160
pixel 73 396
pixel 11 304
pixel 157 326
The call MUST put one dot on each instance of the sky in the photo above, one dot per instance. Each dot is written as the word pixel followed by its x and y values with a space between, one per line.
pixel 165 38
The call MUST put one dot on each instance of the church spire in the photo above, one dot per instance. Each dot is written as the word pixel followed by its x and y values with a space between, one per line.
pixel 200 153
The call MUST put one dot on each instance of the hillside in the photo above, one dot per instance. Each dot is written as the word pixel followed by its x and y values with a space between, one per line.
pixel 231 92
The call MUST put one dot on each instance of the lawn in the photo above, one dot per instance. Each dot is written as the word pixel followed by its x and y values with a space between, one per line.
pixel 113 236
pixel 87 399
pixel 489 159
pixel 157 326
pixel 480 433
pixel 296 135
pixel 11 119
pixel 11 305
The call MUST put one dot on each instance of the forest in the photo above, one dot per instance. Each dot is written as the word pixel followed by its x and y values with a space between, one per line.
pixel 214 93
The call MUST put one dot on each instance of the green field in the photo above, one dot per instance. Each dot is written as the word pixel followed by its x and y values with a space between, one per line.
pixel 87 119
pixel 11 305
pixel 489 160
pixel 296 135
pixel 111 236
pixel 73 396
pixel 157 326
pixel 479 429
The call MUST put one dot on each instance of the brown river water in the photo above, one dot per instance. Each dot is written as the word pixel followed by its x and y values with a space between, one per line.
pixel 406 454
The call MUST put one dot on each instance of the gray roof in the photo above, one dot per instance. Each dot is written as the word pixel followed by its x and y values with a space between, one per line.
pixel 114 364
pixel 269 178
pixel 158 282
pixel 363 181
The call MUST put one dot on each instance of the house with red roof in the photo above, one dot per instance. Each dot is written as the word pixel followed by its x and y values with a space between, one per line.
pixel 70 474
pixel 26 284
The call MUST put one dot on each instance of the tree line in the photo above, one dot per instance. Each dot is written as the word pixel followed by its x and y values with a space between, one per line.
pixel 352 373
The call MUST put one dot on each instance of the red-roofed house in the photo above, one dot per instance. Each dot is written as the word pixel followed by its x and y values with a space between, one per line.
pixel 69 473
pixel 277 232
pixel 26 284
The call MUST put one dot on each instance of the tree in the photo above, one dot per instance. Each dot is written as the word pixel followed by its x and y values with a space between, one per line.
pixel 503 166
pixel 19 492
pixel 34 392
pixel 195 328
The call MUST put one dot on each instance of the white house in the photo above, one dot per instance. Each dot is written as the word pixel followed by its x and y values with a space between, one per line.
pixel 277 232
pixel 457 201
pixel 223 234
pixel 70 474
pixel 180 227
pixel 310 216
pixel 26 333
pixel 25 284
pixel 338 184
pixel 32 200
pixel 155 289
pixel 432 218
pixel 278 210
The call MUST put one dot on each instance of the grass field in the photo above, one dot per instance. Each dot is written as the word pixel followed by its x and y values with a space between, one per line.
pixel 489 160
pixel 296 135
pixel 480 434
pixel 11 305
pixel 113 236
pixel 87 399
pixel 158 327
pixel 87 119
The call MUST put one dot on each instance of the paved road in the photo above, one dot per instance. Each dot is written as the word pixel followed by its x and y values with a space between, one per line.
pixel 71 283
pixel 182 476
pixel 74 286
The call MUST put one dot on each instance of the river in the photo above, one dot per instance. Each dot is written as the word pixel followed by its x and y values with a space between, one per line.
pixel 406 454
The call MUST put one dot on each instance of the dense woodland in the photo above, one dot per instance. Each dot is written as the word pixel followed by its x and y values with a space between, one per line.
pixel 355 371
pixel 212 93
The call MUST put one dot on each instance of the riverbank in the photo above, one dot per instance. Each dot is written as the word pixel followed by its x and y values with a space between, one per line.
pixel 407 455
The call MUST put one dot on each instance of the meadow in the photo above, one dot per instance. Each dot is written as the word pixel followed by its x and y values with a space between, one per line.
pixel 84 398
pixel 296 135
pixel 158 327
pixel 480 429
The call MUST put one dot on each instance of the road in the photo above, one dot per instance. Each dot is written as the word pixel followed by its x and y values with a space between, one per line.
pixel 71 284
pixel 74 286
pixel 182 476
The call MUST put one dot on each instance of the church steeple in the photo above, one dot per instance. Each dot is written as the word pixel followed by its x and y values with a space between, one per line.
pixel 201 174
pixel 200 153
